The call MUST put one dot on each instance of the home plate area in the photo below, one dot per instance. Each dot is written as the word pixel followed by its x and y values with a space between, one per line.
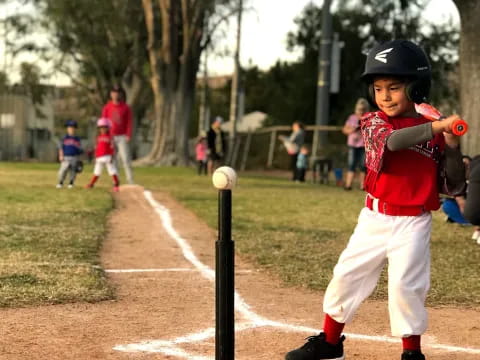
pixel 293 313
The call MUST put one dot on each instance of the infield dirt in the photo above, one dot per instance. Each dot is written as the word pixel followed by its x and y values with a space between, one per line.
pixel 178 301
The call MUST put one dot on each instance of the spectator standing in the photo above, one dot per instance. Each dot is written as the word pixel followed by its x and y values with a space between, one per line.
pixel 356 146
pixel 120 116
pixel 302 164
pixel 217 147
pixel 293 143
pixel 472 203
pixel 454 207
pixel 201 149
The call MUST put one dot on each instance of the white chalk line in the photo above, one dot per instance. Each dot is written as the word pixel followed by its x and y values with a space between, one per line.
pixel 253 320
pixel 120 271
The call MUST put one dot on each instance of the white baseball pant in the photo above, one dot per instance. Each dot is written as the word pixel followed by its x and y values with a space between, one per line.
pixel 123 151
pixel 102 161
pixel 68 163
pixel 403 241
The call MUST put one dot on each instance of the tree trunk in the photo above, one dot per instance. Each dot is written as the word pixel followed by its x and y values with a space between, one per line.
pixel 174 62
pixel 470 72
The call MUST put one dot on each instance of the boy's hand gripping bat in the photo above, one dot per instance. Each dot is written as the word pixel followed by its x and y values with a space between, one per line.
pixel 459 127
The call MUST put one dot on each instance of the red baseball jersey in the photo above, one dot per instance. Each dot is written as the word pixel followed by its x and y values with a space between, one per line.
pixel 120 116
pixel 406 177
pixel 105 145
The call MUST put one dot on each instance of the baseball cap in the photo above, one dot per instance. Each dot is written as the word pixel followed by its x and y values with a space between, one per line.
pixel 71 123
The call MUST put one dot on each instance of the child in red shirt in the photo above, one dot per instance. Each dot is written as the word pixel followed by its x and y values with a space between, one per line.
pixel 104 152
pixel 201 149
pixel 405 154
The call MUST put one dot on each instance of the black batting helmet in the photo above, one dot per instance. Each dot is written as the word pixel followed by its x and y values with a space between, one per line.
pixel 400 58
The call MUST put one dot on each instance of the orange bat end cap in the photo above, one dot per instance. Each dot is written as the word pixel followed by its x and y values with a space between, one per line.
pixel 460 127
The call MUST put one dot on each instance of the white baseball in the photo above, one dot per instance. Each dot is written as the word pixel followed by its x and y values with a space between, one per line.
pixel 224 178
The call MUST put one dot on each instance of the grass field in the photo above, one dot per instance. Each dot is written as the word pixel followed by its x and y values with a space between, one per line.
pixel 51 237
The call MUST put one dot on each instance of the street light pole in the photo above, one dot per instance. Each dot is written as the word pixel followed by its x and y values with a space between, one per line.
pixel 203 120
pixel 323 84
pixel 235 84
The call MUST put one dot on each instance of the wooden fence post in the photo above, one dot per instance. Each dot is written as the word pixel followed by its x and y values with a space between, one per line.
pixel 271 149
pixel 246 150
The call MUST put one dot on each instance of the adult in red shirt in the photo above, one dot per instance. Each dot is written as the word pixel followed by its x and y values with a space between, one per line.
pixel 120 116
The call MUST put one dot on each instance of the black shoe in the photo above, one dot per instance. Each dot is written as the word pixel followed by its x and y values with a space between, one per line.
pixel 412 355
pixel 347 188
pixel 317 348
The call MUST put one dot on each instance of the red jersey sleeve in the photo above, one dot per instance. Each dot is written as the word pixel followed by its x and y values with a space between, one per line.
pixel 375 131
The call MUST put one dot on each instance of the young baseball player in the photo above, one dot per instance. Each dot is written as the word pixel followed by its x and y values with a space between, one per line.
pixel 104 151
pixel 68 153
pixel 403 156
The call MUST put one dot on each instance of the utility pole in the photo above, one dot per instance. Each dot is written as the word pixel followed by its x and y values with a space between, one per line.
pixel 323 84
pixel 203 121
pixel 235 84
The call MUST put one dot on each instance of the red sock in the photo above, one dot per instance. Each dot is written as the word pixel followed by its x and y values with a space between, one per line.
pixel 93 180
pixel 116 182
pixel 332 329
pixel 411 342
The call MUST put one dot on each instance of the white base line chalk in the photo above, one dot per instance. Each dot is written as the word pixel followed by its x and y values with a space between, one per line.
pixel 148 270
pixel 253 320
pixel 119 271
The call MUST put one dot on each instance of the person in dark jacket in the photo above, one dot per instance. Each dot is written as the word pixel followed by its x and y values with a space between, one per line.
pixel 472 202
pixel 292 144
pixel 217 145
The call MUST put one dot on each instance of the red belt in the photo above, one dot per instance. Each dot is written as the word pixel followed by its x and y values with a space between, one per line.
pixel 381 206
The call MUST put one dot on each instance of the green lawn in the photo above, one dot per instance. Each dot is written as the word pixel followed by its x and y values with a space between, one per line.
pixel 50 238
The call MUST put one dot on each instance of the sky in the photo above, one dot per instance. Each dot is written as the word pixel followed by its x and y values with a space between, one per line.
pixel 264 34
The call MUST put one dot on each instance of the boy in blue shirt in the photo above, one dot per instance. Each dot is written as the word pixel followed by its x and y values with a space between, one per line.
pixel 68 153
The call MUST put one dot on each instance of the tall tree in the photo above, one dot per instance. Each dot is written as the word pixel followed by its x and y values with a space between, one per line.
pixel 470 72
pixel 31 82
pixel 97 44
pixel 4 82
pixel 178 32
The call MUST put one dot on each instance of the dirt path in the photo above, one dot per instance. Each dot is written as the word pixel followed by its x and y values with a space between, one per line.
pixel 169 312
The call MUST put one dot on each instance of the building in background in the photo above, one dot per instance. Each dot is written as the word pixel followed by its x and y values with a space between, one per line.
pixel 26 130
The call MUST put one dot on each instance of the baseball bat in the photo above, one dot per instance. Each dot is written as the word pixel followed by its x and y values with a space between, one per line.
pixel 459 127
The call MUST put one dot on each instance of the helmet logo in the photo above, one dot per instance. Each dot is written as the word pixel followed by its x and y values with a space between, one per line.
pixel 382 55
